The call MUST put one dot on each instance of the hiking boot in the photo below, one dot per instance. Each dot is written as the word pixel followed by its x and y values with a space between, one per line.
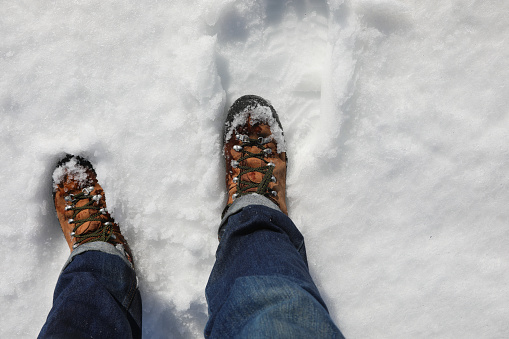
pixel 255 151
pixel 81 206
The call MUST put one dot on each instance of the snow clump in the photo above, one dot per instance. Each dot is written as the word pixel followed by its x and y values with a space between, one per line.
pixel 258 114
pixel 70 169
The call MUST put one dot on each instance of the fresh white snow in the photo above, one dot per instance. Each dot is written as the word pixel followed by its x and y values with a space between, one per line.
pixel 255 115
pixel 74 170
pixel 396 120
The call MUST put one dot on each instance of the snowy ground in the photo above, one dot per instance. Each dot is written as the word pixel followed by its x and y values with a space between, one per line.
pixel 396 116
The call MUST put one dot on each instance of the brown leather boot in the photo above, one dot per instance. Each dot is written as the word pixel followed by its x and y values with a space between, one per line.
pixel 255 151
pixel 81 206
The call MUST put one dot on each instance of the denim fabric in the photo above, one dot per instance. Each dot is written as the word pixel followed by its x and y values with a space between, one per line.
pixel 97 246
pixel 244 201
pixel 96 296
pixel 260 285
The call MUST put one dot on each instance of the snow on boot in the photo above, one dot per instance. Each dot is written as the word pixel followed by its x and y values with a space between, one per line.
pixel 80 204
pixel 255 151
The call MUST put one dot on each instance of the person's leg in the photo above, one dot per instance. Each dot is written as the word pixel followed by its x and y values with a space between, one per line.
pixel 260 285
pixel 96 295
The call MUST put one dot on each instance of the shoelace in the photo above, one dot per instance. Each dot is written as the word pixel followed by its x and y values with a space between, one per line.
pixel 243 186
pixel 103 233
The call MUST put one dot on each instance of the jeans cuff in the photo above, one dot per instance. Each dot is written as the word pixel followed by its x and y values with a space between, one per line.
pixel 246 200
pixel 100 246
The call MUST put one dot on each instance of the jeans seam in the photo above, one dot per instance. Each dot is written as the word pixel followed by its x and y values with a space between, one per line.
pixel 131 293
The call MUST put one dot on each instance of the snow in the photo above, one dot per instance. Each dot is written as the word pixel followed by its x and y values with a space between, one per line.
pixel 257 114
pixel 73 170
pixel 396 121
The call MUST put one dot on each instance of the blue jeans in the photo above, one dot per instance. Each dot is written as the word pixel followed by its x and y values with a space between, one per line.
pixel 96 297
pixel 260 287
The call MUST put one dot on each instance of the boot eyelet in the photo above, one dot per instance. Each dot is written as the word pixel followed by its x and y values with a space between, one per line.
pixel 235 163
pixel 70 221
pixel 68 207
pixel 271 164
pixel 274 193
pixel 103 210
pixel 267 151
pixel 234 196
pixel 237 148
pixel 235 180
pixel 88 190
pixel 96 197
pixel 242 137
pixel 264 141
pixel 107 223
pixel 75 245
pixel 73 234
pixel 273 179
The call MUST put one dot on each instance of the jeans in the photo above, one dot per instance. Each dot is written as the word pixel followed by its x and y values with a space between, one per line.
pixel 259 287
pixel 96 296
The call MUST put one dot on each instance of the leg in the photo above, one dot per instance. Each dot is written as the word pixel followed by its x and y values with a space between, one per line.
pixel 96 297
pixel 97 292
pixel 260 285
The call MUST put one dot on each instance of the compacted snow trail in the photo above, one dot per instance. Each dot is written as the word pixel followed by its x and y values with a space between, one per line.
pixel 396 119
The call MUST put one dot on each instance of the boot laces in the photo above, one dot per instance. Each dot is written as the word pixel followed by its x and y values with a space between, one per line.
pixel 245 187
pixel 102 233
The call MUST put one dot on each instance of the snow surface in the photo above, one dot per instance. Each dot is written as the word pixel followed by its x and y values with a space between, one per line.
pixel 396 120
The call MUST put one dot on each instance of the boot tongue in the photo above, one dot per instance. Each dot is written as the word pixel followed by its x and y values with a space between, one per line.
pixel 254 163
pixel 254 132
pixel 84 214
